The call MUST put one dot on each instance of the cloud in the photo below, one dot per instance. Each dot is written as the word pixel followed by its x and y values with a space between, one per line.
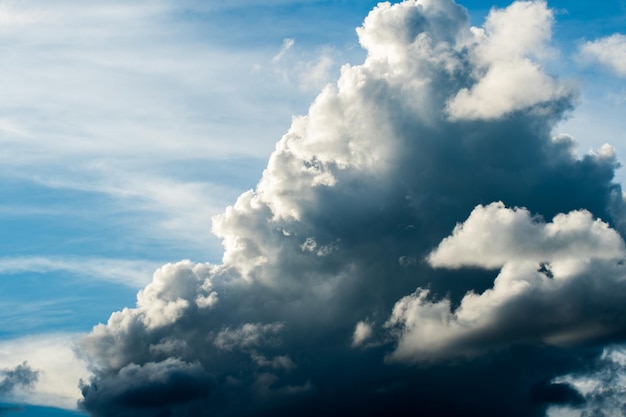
pixel 503 68
pixel 602 389
pixel 307 70
pixel 609 51
pixel 348 240
pixel 127 272
pixel 51 376
pixel 362 332
pixel 494 236
pixel 118 100
pixel 9 16
pixel 287 44
pixel 154 385
pixel 20 377
pixel 558 283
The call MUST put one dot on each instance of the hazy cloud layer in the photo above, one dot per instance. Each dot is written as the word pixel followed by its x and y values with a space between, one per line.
pixel 345 286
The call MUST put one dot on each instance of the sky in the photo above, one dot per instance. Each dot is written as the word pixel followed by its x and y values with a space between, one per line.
pixel 302 207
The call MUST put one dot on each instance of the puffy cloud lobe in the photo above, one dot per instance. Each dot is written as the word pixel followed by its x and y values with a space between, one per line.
pixel 559 284
pixel 172 293
pixel 504 71
pixel 172 383
pixel 504 88
pixel 521 30
pixel 609 51
pixel 357 193
pixel 493 236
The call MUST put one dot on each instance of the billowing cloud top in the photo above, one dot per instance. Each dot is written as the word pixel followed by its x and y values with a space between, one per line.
pixel 384 262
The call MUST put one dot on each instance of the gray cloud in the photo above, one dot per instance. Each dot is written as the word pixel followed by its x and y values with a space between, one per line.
pixel 20 377
pixel 327 301
pixel 603 388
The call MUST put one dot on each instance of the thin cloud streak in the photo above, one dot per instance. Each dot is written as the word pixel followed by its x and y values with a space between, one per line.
pixel 133 273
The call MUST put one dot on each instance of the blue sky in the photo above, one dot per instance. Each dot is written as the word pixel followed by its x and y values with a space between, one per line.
pixel 125 126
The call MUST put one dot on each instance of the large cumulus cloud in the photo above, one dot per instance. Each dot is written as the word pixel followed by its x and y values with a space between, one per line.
pixel 345 286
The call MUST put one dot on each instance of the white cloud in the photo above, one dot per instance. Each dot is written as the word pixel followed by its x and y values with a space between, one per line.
pixel 494 235
pixel 286 46
pixel 557 283
pixel 60 370
pixel 362 332
pixel 133 273
pixel 609 51
pixel 522 29
pixel 504 71
pixel 504 88
pixel 317 73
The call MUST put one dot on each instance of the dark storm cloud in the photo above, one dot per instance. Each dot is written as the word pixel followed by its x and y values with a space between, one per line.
pixel 345 288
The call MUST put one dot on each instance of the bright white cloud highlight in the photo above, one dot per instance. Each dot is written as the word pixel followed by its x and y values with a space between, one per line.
pixel 494 235
pixel 504 70
pixel 558 283
pixel 362 332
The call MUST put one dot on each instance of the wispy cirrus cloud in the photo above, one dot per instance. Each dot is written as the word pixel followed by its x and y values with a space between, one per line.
pixel 125 100
pixel 133 273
